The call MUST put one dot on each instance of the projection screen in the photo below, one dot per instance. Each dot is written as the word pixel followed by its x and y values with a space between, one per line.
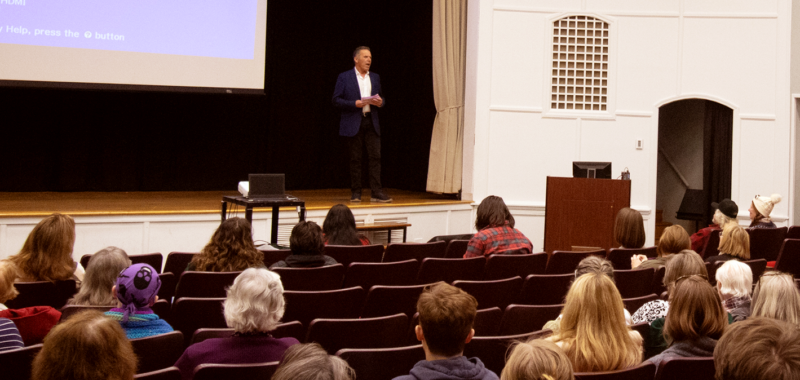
pixel 201 44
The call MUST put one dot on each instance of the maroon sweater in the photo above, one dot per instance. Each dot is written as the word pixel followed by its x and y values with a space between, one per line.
pixel 233 350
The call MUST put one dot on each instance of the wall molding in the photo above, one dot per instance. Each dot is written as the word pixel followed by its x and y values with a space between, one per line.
pixel 522 109
pixel 730 15
pixel 627 113
pixel 756 116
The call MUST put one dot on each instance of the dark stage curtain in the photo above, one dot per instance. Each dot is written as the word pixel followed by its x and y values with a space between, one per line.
pixel 717 154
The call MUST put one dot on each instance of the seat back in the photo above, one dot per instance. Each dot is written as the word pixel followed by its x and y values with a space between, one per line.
pixel 712 246
pixel 711 269
pixel 158 351
pixel 758 267
pixel 633 304
pixel 366 275
pixel 152 259
pixel 522 319
pixel 765 243
pixel 170 373
pixel 204 284
pixel 323 278
pixel 456 249
pixel 190 314
pixel 497 293
pixel 793 232
pixel 634 282
pixel 16 364
pixel 163 309
pixel 346 254
pixel 562 262
pixel 658 281
pixel 645 370
pixel 380 332
pixel 42 293
pixel 292 329
pixel 678 368
pixel 305 306
pixel 235 371
pixel 405 251
pixel 449 238
pixel 272 256
pixel 382 363
pixel 168 284
pixel 492 349
pixel 177 261
pixel 487 321
pixel 545 289
pixel 390 300
pixel 448 270
pixel 789 257
pixel 507 266
pixel 70 310
pixel 621 257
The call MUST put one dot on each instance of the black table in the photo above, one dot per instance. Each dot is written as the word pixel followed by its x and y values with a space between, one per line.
pixel 275 203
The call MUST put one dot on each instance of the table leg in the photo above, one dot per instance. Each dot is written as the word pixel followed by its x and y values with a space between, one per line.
pixel 248 214
pixel 224 210
pixel 302 213
pixel 404 234
pixel 274 233
pixel 389 236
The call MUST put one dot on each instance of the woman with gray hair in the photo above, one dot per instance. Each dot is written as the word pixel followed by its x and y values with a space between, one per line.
pixel 254 307
pixel 101 276
pixel 734 281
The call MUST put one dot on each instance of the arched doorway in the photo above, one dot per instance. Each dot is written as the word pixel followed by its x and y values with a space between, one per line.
pixel 695 140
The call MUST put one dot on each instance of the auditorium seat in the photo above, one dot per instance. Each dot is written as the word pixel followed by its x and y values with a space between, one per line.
pixel 634 282
pixel 153 259
pixel 633 304
pixel 70 310
pixel 678 368
pixel 502 266
pixel 765 243
pixel 497 293
pixel 158 351
pixel 346 254
pixel 658 281
pixel 170 373
pixel 405 251
pixel 190 314
pixel 272 256
pixel 388 300
pixel 235 371
pixel 204 284
pixel 456 249
pixel 562 262
pixel 711 269
pixel 16 364
pixel 168 284
pixel 380 332
pixel 788 258
pixel 620 258
pixel 366 275
pixel 487 323
pixel 644 370
pixel 323 278
pixel 712 245
pixel 306 306
pixel 521 319
pixel 793 232
pixel 545 289
pixel 382 363
pixel 177 262
pixel 162 308
pixel 292 329
pixel 492 349
pixel 758 267
pixel 448 270
pixel 42 293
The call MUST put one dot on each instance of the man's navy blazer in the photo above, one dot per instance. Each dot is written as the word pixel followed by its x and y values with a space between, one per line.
pixel 345 96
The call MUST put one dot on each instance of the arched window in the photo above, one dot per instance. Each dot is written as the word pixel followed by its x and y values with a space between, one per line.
pixel 580 64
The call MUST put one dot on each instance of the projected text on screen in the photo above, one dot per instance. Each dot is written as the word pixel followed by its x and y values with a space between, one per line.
pixel 202 28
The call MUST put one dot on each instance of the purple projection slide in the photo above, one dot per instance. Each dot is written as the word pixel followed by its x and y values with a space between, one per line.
pixel 206 28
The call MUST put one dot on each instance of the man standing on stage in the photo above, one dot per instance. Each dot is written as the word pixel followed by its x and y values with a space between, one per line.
pixel 358 96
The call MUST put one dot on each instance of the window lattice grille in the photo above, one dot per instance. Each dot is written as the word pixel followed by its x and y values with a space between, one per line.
pixel 580 64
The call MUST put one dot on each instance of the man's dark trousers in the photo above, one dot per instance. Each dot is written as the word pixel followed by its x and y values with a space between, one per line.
pixel 366 134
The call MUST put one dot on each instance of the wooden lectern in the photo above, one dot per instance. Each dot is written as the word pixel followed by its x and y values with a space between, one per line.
pixel 581 212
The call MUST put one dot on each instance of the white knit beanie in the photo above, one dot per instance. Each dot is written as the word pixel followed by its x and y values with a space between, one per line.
pixel 764 205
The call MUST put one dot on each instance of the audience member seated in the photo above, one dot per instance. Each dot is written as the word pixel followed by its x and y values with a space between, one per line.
pixel 136 290
pixel 253 308
pixel 47 252
pixel 696 320
pixel 537 359
pixel 496 232
pixel 311 362
pixel 734 281
pixel 758 349
pixel 231 249
pixel 591 264
pixel 8 274
pixel 760 208
pixel 88 346
pixel 725 213
pixel 683 263
pixel 629 228
pixel 733 244
pixel 673 240
pixel 33 323
pixel 593 333
pixel 100 277
pixel 776 297
pixel 307 248
pixel 339 228
pixel 9 335
pixel 446 316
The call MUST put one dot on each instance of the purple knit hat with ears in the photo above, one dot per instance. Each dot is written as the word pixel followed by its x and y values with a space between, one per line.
pixel 137 287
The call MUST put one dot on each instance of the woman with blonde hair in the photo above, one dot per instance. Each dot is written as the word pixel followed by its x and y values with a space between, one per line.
pixel 734 244
pixel 311 362
pixel 629 228
pixel 47 252
pixel 725 213
pixel 776 297
pixel 537 359
pixel 593 333
pixel 673 240
pixel 734 282
pixel 231 249
pixel 101 275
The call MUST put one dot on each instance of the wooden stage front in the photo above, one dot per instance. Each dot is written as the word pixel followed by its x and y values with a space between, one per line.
pixel 186 202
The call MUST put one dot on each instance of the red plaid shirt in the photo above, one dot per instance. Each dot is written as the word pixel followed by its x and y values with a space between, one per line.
pixel 493 240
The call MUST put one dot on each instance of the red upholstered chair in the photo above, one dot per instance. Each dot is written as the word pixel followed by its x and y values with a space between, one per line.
pixel 16 364
pixel 389 300
pixel 366 275
pixel 380 332
pixel 152 259
pixel 235 371
pixel 158 351
pixel 793 233
pixel 645 370
pixel 498 293
pixel 346 254
pixel 170 373
pixel 621 257
pixel 678 368
pixel 521 319
pixel 163 309
pixel 634 282
pixel 545 289
pixel 322 278
pixel 487 323
pixel 204 284
pixel 42 293
pixel 405 251
pixel 633 304
pixel 190 314
pixel 507 266
pixel 712 246
pixel 711 268
pixel 492 349
pixel 758 267
pixel 456 249
pixel 177 262
pixel 168 284
pixel 306 306
pixel 211 333
pixel 789 258
pixel 382 363
pixel 272 256
pixel 765 243
pixel 658 281
pixel 562 262
pixel 292 329
pixel 448 270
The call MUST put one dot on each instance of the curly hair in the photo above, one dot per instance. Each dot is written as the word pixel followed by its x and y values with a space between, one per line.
pixel 231 249
pixel 339 227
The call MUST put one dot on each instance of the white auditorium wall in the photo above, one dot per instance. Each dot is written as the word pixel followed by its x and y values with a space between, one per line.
pixel 735 52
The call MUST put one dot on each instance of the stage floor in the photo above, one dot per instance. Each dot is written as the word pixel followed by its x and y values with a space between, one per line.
pixel 186 202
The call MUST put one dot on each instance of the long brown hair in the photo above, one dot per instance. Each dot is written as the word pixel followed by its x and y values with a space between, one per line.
pixel 673 240
pixel 629 228
pixel 493 212
pixel 340 226
pixel 47 253
pixel 101 275
pixel 695 311
pixel 231 249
